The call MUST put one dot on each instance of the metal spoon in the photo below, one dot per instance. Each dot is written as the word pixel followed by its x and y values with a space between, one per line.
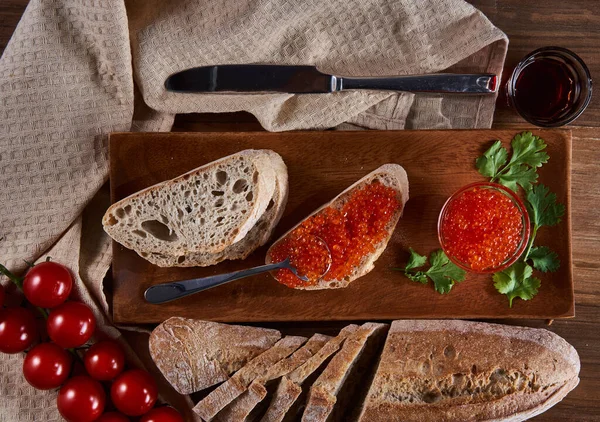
pixel 166 292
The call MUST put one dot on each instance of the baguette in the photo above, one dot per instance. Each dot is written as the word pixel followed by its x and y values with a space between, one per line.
pixel 326 400
pixel 204 210
pixel 468 371
pixel 256 237
pixel 194 355
pixel 245 405
pixel 390 175
pixel 287 402
pixel 224 394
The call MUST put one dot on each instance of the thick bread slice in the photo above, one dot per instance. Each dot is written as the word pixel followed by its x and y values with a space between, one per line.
pixel 467 371
pixel 246 404
pixel 225 393
pixel 194 355
pixel 287 402
pixel 391 175
pixel 342 369
pixel 204 210
pixel 256 237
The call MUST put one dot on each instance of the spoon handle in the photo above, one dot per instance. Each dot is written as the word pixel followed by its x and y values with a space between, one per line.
pixel 167 292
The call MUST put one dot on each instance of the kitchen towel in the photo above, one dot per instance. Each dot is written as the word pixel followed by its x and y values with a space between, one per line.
pixel 76 70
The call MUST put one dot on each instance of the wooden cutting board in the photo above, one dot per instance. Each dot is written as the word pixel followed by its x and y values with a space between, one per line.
pixel 320 165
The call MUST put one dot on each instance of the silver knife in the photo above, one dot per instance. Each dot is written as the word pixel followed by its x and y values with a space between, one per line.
pixel 308 80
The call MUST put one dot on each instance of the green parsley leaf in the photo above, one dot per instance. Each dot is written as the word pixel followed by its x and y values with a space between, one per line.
pixel 542 206
pixel 528 149
pixel 415 260
pixel 517 281
pixel 443 272
pixel 491 160
pixel 419 276
pixel 544 259
pixel 521 175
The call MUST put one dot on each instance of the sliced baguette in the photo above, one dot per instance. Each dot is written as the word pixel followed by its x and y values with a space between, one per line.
pixel 466 371
pixel 256 237
pixel 204 210
pixel 225 393
pixel 391 175
pixel 288 401
pixel 194 355
pixel 245 405
pixel 330 394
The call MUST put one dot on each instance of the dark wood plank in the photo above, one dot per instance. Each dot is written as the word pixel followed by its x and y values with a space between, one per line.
pixel 320 165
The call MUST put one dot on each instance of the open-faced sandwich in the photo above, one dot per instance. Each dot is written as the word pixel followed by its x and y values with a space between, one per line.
pixel 341 241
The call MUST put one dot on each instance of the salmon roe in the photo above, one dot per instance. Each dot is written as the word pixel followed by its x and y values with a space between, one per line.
pixel 348 233
pixel 482 228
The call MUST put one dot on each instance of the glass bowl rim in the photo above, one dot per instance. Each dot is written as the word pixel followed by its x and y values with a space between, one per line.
pixel 525 233
pixel 510 86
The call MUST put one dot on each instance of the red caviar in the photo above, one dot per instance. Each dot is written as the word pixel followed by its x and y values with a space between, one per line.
pixel 349 233
pixel 482 227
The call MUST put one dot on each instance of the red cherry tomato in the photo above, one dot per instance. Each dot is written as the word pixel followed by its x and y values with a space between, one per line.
pixel 162 414
pixel 2 295
pixel 18 329
pixel 113 417
pixel 81 399
pixel 134 392
pixel 47 284
pixel 47 366
pixel 104 360
pixel 71 324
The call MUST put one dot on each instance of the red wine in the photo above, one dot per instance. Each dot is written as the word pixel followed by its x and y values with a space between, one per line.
pixel 546 90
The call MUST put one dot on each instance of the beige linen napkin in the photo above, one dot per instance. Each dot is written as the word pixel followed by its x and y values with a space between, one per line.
pixel 67 79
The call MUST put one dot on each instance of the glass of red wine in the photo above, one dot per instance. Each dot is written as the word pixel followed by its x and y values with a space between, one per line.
pixel 550 87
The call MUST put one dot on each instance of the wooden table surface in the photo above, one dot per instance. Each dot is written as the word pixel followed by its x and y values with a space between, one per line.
pixel 574 24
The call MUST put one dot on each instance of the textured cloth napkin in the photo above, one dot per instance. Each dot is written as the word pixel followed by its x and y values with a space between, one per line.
pixel 76 70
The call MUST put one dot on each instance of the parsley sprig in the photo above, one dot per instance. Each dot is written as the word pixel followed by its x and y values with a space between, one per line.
pixel 521 170
pixel 442 271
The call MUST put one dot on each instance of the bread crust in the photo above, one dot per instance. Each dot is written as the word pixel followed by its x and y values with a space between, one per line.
pixel 291 385
pixel 227 392
pixel 193 355
pixel 467 371
pixel 391 175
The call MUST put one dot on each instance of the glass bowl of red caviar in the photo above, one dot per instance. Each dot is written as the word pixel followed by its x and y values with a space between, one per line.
pixel 484 227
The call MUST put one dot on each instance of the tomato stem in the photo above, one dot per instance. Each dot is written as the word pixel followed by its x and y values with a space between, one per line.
pixel 19 283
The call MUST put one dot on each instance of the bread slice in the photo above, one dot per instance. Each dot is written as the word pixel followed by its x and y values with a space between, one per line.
pixel 224 394
pixel 288 401
pixel 194 355
pixel 242 408
pixel 256 237
pixel 204 210
pixel 391 175
pixel 330 394
pixel 465 371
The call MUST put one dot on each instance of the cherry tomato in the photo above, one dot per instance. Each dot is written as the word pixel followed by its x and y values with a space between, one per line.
pixel 47 284
pixel 18 329
pixel 113 417
pixel 81 399
pixel 2 295
pixel 71 324
pixel 104 360
pixel 134 392
pixel 47 366
pixel 162 414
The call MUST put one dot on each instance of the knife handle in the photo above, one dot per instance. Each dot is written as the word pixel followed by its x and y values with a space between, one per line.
pixel 439 82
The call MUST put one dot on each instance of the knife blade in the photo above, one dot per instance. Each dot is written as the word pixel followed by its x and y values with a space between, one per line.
pixel 308 80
